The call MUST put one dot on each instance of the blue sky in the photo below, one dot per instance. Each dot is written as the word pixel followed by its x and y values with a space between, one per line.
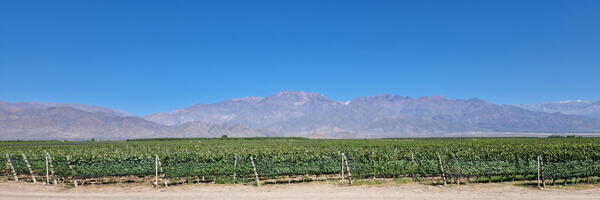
pixel 156 56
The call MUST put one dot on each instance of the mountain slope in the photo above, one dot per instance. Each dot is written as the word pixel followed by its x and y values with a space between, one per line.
pixel 303 114
pixel 292 114
pixel 481 115
pixel 256 112
pixel 585 108
pixel 73 124
pixel 70 123
pixel 201 129
pixel 366 121
pixel 23 105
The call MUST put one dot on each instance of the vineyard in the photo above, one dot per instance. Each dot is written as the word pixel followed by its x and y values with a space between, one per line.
pixel 564 160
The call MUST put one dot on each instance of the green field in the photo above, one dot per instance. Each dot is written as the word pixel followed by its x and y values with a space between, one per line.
pixel 184 158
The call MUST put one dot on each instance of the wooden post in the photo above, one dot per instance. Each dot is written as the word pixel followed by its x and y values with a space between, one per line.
pixel 29 167
pixel 51 169
pixel 412 163
pixel 539 181
pixel 542 169
pixel 342 170
pixel 72 170
pixel 234 167
pixel 442 169
pixel 339 154
pixel 161 171
pixel 11 167
pixel 47 177
pixel 254 168
pixel 156 170
pixel 347 168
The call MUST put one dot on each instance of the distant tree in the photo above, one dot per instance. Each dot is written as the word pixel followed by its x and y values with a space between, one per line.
pixel 224 137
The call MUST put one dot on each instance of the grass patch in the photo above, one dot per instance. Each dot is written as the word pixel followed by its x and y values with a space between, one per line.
pixel 571 186
pixel 402 181
pixel 69 186
pixel 369 182
pixel 498 179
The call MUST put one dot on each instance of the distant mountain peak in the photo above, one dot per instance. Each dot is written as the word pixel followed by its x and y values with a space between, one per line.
pixel 88 108
pixel 579 107
pixel 380 98
pixel 297 98
pixel 290 92
pixel 296 94
pixel 249 98
pixel 434 97
pixel 394 99
pixel 477 100
pixel 437 96
pixel 578 101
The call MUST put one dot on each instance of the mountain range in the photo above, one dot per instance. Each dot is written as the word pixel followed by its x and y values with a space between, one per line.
pixel 585 108
pixel 67 123
pixel 293 113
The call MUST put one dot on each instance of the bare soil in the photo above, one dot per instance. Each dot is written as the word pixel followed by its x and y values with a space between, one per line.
pixel 313 190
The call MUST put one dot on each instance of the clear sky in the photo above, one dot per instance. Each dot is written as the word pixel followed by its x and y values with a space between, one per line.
pixel 156 56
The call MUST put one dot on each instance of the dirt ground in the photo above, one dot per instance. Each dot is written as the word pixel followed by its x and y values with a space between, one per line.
pixel 321 190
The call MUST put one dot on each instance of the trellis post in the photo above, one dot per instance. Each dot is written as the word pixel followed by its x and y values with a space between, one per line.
pixel 234 167
pixel 47 176
pixel 51 168
pixel 72 170
pixel 542 171
pixel 254 168
pixel 348 168
pixel 412 164
pixel 342 170
pixel 339 154
pixel 162 172
pixel 11 167
pixel 442 169
pixel 156 170
pixel 538 175
pixel 29 167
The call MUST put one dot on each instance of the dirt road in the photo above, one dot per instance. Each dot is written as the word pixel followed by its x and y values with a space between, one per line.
pixel 11 190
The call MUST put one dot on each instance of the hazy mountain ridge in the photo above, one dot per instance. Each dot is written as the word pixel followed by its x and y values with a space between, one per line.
pixel 298 113
pixel 289 114
pixel 366 120
pixel 23 105
pixel 70 123
pixel 480 115
pixel 256 112
pixel 585 108
pixel 73 124
pixel 201 129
